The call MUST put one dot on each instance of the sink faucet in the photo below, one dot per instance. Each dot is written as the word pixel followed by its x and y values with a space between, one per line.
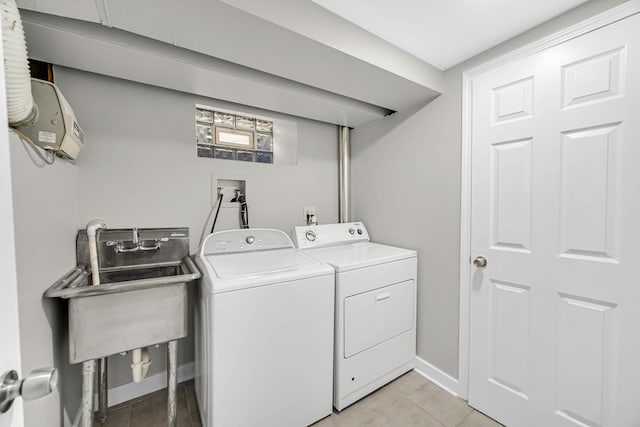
pixel 121 247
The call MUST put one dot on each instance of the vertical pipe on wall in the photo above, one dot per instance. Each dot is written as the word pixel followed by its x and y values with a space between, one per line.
pixel 344 170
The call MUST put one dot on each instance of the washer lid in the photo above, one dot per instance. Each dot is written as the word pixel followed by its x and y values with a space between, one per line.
pixel 359 255
pixel 231 266
pixel 250 269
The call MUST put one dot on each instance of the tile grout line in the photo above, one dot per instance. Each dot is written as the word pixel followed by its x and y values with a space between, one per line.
pixel 130 409
pixel 425 411
pixel 420 406
pixel 468 415
pixel 433 415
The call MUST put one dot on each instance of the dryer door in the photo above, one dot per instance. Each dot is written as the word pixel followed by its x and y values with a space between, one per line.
pixel 373 317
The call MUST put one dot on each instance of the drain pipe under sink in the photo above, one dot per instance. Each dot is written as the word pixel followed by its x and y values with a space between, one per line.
pixel 140 363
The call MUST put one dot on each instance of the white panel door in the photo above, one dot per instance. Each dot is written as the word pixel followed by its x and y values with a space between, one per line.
pixel 555 314
pixel 9 334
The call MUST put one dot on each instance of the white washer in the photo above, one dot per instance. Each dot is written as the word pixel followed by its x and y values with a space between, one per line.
pixel 375 330
pixel 264 328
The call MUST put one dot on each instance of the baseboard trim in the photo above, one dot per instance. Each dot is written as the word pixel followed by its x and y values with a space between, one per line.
pixel 148 385
pixel 437 376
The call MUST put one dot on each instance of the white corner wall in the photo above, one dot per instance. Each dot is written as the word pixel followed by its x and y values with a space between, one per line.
pixel 405 177
pixel 406 188
pixel 45 203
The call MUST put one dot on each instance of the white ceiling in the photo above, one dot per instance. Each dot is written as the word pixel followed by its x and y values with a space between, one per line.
pixel 444 33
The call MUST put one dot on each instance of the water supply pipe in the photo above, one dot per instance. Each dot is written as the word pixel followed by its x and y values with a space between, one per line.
pixel 87 418
pixel 21 110
pixel 92 228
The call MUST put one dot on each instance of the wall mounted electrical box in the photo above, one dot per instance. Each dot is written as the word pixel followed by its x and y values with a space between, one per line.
pixel 55 128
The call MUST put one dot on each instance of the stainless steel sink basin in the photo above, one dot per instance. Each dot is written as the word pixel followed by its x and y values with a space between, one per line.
pixel 132 274
pixel 141 299
pixel 77 282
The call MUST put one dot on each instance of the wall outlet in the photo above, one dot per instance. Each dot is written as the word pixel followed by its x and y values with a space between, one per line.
pixel 307 211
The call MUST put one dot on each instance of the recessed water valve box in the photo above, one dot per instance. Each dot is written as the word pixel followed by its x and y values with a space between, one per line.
pixel 229 189
pixel 308 212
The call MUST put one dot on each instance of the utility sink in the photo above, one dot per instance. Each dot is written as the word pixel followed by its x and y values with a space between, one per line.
pixel 141 299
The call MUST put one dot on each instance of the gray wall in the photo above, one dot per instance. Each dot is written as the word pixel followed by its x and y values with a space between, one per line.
pixel 46 214
pixel 406 188
pixel 139 168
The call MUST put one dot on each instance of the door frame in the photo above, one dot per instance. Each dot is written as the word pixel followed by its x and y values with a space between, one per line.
pixel 600 20
pixel 9 285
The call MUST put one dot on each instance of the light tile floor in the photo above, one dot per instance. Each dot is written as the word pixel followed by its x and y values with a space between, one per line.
pixel 409 401
pixel 151 410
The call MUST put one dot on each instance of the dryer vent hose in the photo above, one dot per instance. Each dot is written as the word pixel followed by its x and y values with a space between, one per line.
pixel 21 110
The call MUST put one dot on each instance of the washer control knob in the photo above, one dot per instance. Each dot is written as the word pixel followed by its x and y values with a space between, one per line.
pixel 359 230
pixel 310 235
pixel 250 240
pixel 352 231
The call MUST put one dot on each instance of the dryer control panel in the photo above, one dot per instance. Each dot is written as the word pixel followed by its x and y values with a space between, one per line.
pixel 317 236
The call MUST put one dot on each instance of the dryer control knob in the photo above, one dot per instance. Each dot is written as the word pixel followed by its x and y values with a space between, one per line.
pixel 352 231
pixel 310 235
pixel 359 230
pixel 250 240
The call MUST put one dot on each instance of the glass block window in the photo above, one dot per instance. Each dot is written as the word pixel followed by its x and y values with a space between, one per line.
pixel 234 138
pixel 222 135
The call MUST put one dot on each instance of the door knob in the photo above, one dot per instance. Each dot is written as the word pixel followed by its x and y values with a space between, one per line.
pixel 37 384
pixel 480 262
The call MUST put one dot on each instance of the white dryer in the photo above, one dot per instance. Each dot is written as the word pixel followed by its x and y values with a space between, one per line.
pixel 375 329
pixel 264 332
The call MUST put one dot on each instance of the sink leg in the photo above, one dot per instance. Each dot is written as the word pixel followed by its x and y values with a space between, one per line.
pixel 103 398
pixel 172 386
pixel 88 371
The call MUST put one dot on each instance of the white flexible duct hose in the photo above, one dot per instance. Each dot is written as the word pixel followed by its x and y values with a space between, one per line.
pixel 21 109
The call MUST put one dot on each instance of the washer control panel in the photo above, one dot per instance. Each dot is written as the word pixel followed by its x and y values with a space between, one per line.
pixel 251 239
pixel 316 236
